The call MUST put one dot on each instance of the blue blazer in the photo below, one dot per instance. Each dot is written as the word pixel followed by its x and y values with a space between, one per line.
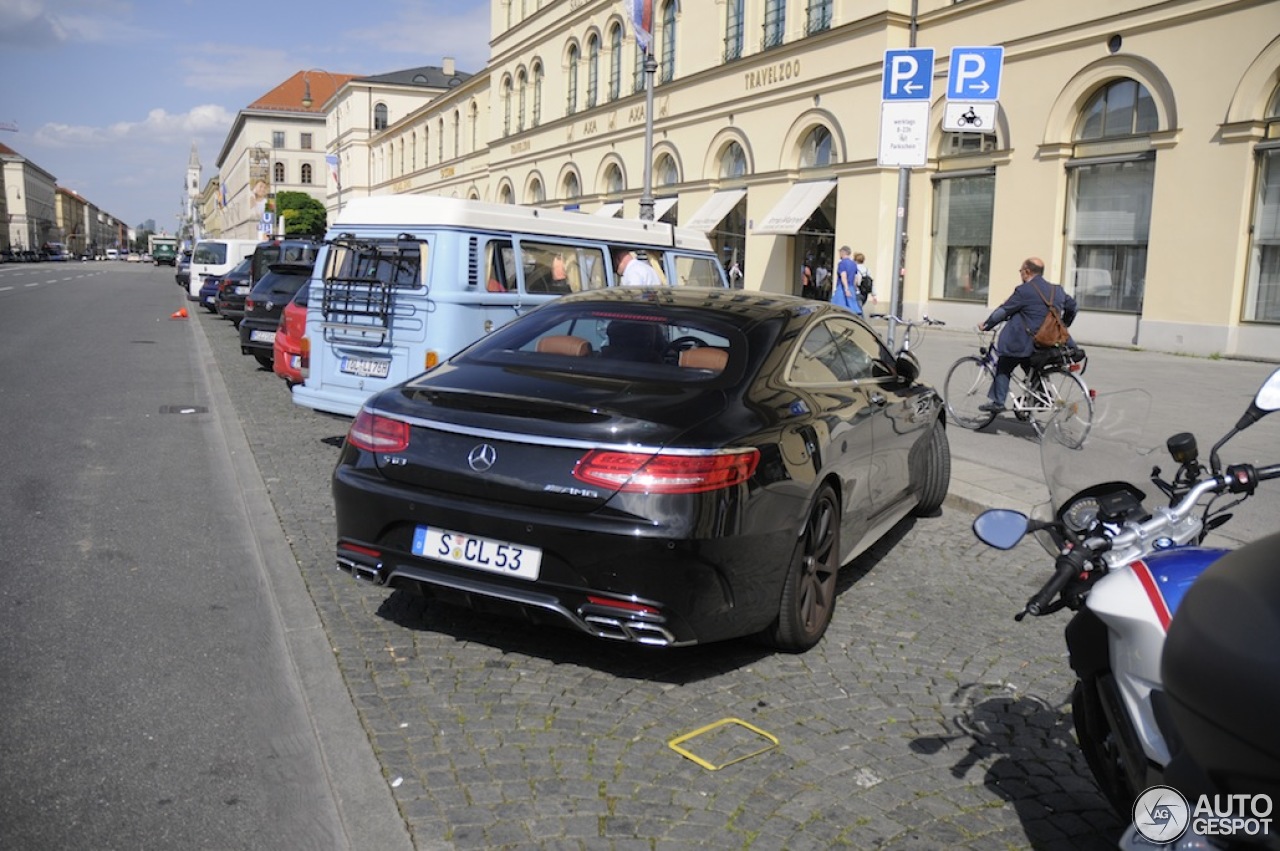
pixel 1023 313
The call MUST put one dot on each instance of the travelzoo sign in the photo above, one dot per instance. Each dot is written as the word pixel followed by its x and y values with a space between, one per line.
pixel 780 72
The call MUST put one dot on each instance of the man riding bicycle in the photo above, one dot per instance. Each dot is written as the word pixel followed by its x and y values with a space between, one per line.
pixel 1022 314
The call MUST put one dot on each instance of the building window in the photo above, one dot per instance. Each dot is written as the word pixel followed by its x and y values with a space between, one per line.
pixel 816 148
pixel 522 84
pixel 733 33
pixel 537 94
pixel 413 150
pixel 426 144
pixel 571 105
pixel 962 236
pixel 667 68
pixel 1109 201
pixel 665 172
pixel 638 80
pixel 306 172
pixel 380 117
pixel 818 16
pixel 733 161
pixel 775 23
pixel 536 194
pixel 277 138
pixel 1262 297
pixel 593 71
pixel 505 195
pixel 440 139
pixel 613 184
pixel 572 188
pixel 304 141
pixel 615 63
pixel 506 107
pixel 277 173
pixel 475 124
pixel 457 133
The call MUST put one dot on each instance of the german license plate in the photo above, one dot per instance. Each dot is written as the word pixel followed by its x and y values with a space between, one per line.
pixel 365 367
pixel 209 299
pixel 241 289
pixel 262 336
pixel 476 552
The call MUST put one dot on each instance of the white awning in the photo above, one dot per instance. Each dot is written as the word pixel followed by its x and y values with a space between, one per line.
pixel 711 213
pixel 795 208
pixel 611 209
pixel 661 206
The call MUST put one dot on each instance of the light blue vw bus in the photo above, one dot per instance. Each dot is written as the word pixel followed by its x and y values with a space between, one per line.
pixel 405 281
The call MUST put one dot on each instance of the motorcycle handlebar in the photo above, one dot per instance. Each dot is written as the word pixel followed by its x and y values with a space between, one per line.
pixel 1067 566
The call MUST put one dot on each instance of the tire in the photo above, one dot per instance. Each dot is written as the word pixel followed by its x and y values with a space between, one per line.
pixel 968 385
pixel 935 478
pixel 1071 414
pixel 1101 747
pixel 809 591
pixel 265 360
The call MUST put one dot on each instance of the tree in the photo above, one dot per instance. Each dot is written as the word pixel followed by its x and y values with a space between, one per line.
pixel 302 215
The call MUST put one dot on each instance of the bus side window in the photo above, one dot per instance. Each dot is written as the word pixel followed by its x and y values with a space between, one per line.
pixel 499 259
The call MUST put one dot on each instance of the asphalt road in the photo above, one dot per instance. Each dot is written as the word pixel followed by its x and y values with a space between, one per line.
pixel 158 684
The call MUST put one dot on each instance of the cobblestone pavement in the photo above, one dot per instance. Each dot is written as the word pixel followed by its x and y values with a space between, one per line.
pixel 926 718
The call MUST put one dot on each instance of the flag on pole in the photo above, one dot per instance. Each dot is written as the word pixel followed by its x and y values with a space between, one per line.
pixel 641 13
pixel 332 160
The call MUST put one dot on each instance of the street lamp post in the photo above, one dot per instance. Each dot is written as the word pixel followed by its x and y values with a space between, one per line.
pixel 307 101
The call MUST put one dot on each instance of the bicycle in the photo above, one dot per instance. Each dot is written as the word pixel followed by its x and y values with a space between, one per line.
pixel 1052 388
pixel 907 325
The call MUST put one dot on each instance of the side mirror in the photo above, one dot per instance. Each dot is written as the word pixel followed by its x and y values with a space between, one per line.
pixel 1000 528
pixel 1266 401
pixel 907 367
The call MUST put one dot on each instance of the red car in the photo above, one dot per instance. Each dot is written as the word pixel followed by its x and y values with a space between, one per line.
pixel 288 344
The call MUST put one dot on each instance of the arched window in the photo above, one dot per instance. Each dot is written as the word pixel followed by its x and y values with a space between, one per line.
pixel 733 161
pixel 1109 200
pixel 615 63
pixel 306 172
pixel 505 195
pixel 1262 296
pixel 572 188
pixel 593 70
pixel 537 94
pixel 638 83
pixel 613 184
pixel 380 117
pixel 522 83
pixel 426 144
pixel 506 107
pixel 457 131
pixel 536 193
pixel 413 150
pixel 667 67
pixel 277 173
pixel 733 31
pixel 665 172
pixel 474 118
pixel 815 151
pixel 571 105
pixel 775 23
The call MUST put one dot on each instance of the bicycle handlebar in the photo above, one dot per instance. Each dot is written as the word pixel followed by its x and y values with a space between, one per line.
pixel 910 323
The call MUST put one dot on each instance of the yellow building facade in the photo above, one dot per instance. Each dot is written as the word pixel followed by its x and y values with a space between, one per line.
pixel 1135 147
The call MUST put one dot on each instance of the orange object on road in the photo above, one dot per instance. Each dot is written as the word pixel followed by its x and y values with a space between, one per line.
pixel 180 313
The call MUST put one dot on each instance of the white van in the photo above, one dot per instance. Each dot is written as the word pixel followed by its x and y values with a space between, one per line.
pixel 216 257
pixel 405 281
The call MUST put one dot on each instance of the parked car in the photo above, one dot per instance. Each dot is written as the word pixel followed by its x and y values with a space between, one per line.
pixel 663 466
pixel 209 289
pixel 233 287
pixel 182 272
pixel 286 354
pixel 134 257
pixel 263 306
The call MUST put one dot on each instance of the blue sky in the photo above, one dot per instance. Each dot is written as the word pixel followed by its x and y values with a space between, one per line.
pixel 108 95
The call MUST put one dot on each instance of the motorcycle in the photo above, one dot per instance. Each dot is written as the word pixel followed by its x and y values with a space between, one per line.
pixel 1123 568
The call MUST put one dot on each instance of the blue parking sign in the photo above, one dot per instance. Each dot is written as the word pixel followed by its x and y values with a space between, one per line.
pixel 908 74
pixel 975 73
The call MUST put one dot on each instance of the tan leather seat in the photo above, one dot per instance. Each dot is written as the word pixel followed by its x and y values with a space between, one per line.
pixel 704 357
pixel 564 344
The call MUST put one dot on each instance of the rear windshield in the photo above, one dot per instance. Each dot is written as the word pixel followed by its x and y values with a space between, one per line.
pixel 211 253
pixel 623 342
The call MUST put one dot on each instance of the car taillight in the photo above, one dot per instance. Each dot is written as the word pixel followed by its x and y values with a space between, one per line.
pixel 376 433
pixel 248 304
pixel 304 357
pixel 640 472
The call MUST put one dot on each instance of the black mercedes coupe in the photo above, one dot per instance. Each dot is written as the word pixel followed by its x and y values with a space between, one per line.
pixel 652 465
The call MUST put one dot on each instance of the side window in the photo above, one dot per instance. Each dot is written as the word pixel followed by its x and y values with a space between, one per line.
pixel 697 272
pixel 835 351
pixel 500 267
pixel 559 268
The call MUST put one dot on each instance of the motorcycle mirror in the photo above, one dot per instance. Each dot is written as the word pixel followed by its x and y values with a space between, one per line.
pixel 1000 528
pixel 1267 400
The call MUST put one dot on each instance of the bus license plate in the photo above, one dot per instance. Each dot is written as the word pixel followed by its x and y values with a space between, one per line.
pixel 475 552
pixel 365 367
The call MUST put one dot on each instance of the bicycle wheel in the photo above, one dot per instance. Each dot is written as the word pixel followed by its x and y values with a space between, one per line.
pixel 968 385
pixel 1067 409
